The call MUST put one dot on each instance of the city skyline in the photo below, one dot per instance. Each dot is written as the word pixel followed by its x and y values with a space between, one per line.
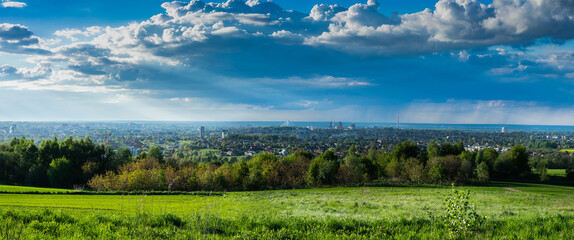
pixel 448 61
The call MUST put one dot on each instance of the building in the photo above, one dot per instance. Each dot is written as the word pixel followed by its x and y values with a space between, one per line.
pixel 133 150
pixel 224 134
pixel 331 126
pixel 503 130
pixel 202 132
pixel 12 129
pixel 340 126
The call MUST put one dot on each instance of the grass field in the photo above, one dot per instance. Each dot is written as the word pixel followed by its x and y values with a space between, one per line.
pixel 556 172
pixel 22 189
pixel 512 210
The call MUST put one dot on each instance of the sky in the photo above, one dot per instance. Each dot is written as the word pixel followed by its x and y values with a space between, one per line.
pixel 446 61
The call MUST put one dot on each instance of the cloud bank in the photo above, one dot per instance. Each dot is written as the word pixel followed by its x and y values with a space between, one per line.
pixel 226 52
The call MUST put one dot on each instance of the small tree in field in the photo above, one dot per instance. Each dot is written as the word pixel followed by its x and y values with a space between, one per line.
pixel 460 218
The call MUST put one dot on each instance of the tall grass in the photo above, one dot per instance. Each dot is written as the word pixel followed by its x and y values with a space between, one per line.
pixel 535 212
pixel 59 224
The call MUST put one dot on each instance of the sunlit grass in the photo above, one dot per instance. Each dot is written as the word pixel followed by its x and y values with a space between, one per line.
pixel 556 172
pixel 14 189
pixel 339 213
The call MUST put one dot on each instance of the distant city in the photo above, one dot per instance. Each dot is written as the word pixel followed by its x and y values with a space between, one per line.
pixel 175 137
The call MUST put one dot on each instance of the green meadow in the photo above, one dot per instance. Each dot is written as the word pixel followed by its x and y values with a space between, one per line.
pixel 510 210
pixel 22 189
pixel 556 172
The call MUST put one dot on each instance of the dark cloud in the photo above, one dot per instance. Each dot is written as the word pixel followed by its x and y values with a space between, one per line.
pixel 18 39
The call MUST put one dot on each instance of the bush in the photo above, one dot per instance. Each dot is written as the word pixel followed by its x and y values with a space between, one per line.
pixel 460 218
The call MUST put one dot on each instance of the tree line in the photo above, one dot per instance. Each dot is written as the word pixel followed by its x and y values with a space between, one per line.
pixel 80 162
pixel 57 163
pixel 407 162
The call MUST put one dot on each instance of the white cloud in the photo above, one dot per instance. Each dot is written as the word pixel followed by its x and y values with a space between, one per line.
pixel 452 25
pixel 73 33
pixel 324 12
pixel 13 4
pixel 487 112
pixel 216 36
pixel 260 42
pixel 40 71
pixel 320 82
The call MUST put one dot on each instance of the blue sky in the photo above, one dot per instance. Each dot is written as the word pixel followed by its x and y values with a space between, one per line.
pixel 447 61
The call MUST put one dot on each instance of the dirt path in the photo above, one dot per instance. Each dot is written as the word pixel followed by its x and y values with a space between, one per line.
pixel 512 189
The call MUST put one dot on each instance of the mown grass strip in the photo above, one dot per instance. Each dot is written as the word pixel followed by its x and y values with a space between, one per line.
pixel 71 192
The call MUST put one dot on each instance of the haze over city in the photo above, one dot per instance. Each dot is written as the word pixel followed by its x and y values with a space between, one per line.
pixel 448 61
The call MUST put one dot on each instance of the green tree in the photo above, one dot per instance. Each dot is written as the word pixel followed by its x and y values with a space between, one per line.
pixel 436 169
pixel 37 176
pixel 520 160
pixel 48 151
pixel 415 170
pixel 10 169
pixel 155 152
pixel 324 168
pixel 406 150
pixel 482 173
pixel 570 173
pixel 433 149
pixel 121 157
pixel 512 164
pixel 59 173
pixel 487 155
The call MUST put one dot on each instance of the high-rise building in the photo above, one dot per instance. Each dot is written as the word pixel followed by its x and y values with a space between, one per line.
pixel 12 129
pixel 331 126
pixel 223 134
pixel 202 132
pixel 340 126
pixel 133 150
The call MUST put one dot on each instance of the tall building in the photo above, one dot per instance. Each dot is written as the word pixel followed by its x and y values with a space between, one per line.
pixel 202 132
pixel 12 129
pixel 331 126
pixel 340 126
pixel 223 134
pixel 133 150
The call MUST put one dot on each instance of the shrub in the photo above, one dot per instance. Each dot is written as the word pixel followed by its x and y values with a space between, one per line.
pixel 460 217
